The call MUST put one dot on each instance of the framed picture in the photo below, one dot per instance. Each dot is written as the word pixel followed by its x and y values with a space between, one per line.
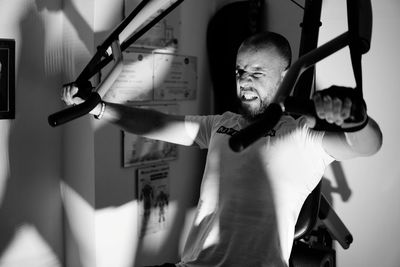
pixel 7 79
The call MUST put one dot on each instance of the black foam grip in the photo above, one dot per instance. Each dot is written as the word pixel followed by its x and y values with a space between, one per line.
pixel 74 112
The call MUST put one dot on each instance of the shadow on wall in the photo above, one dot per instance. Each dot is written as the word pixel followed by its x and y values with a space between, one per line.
pixel 31 218
pixel 342 187
pixel 72 14
pixel 117 207
pixel 32 203
pixel 31 224
pixel 31 208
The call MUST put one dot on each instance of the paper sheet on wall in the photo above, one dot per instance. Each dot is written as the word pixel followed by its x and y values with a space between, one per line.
pixel 135 83
pixel 154 76
pixel 153 196
pixel 140 150
pixel 175 77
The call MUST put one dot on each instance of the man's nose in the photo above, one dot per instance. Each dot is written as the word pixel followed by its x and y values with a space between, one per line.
pixel 245 80
pixel 244 77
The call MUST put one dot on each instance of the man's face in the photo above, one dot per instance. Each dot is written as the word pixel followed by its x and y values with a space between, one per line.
pixel 259 72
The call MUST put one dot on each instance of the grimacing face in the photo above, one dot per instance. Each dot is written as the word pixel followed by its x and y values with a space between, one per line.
pixel 259 72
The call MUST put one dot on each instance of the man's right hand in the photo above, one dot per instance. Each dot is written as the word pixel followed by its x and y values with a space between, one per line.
pixel 67 96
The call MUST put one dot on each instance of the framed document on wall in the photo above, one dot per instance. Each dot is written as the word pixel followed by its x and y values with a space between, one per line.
pixel 7 79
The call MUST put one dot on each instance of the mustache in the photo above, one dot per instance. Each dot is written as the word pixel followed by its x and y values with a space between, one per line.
pixel 247 89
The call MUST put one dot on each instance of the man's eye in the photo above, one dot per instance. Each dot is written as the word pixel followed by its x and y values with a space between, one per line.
pixel 258 74
pixel 239 72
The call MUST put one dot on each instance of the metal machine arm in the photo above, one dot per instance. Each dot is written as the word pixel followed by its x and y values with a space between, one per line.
pixel 124 35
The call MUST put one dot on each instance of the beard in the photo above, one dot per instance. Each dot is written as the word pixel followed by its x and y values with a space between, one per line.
pixel 250 113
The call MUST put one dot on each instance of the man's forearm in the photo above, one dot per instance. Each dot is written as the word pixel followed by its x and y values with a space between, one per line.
pixel 146 122
pixel 364 142
pixel 135 120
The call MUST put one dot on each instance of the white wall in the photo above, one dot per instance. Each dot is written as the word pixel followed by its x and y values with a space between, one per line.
pixel 284 17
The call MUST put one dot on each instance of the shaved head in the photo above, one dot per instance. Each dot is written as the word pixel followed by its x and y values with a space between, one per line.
pixel 272 41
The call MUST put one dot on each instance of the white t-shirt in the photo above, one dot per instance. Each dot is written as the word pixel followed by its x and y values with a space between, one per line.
pixel 249 201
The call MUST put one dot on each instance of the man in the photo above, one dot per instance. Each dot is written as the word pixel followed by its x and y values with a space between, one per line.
pixel 249 201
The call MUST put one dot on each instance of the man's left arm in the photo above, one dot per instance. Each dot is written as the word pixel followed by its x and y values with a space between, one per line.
pixel 341 145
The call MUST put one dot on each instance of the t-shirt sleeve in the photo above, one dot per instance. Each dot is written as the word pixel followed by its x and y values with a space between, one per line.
pixel 326 158
pixel 199 128
pixel 315 138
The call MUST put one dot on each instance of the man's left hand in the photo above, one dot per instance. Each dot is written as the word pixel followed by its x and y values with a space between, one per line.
pixel 332 109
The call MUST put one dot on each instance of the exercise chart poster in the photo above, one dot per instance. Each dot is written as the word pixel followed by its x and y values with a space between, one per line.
pixel 153 196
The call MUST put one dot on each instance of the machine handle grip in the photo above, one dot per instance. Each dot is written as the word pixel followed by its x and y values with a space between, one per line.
pixel 74 112
pixel 358 113
pixel 85 88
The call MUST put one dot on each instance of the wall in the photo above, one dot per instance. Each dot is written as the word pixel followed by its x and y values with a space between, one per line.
pixel 289 26
pixel 30 150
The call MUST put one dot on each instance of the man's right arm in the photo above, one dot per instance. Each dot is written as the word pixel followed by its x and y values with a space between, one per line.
pixel 146 122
